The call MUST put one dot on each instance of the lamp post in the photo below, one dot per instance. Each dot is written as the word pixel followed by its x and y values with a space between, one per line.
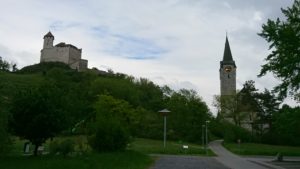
pixel 165 112
pixel 203 126
pixel 206 138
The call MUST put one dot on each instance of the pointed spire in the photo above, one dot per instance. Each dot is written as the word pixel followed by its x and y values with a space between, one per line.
pixel 49 34
pixel 227 52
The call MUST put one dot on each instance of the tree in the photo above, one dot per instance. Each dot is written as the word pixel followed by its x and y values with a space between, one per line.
pixel 188 113
pixel 5 141
pixel 4 65
pixel 286 126
pixel 37 114
pixel 268 105
pixel 109 128
pixel 239 107
pixel 284 60
pixel 227 107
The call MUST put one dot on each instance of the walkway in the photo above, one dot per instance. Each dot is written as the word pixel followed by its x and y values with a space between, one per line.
pixel 186 162
pixel 235 162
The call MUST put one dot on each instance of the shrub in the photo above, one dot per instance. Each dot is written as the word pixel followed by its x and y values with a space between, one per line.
pixel 109 136
pixel 64 147
pixel 230 132
pixel 5 141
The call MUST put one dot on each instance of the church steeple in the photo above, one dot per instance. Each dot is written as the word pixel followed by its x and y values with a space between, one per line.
pixel 227 52
pixel 227 57
pixel 227 72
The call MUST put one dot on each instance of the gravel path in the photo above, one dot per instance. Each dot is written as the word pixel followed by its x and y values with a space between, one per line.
pixel 186 162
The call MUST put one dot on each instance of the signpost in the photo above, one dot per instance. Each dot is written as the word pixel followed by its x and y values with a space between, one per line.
pixel 206 138
pixel 165 112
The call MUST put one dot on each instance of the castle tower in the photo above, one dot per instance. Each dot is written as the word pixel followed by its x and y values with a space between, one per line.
pixel 48 40
pixel 227 72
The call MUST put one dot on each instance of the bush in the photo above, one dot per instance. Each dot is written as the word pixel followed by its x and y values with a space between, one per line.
pixel 64 147
pixel 230 132
pixel 109 136
pixel 5 141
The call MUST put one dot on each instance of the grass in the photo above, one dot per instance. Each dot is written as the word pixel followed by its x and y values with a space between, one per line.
pixel 148 146
pixel 115 160
pixel 262 149
pixel 135 157
pixel 90 160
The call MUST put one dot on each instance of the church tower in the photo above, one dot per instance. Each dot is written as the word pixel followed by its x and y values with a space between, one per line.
pixel 227 72
pixel 48 40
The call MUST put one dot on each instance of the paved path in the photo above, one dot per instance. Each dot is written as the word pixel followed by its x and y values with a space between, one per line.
pixel 235 162
pixel 186 162
pixel 287 163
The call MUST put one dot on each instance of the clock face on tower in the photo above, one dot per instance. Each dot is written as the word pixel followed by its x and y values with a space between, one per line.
pixel 228 69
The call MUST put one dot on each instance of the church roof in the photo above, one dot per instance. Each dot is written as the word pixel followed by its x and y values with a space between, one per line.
pixel 49 34
pixel 227 57
pixel 227 52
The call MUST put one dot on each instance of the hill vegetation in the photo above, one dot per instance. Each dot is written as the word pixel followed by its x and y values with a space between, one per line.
pixel 72 102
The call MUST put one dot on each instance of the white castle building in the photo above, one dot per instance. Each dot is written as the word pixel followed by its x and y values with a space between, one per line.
pixel 62 52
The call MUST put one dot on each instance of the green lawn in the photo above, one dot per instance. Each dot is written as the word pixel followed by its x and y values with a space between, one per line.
pixel 262 149
pixel 116 160
pixel 135 157
pixel 148 146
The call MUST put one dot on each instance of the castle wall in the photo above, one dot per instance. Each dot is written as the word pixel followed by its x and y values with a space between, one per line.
pixel 55 54
pixel 83 64
pixel 74 58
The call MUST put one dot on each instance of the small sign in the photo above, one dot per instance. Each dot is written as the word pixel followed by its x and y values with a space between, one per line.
pixel 185 146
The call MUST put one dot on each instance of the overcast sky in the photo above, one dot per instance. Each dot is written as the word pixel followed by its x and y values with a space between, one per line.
pixel 175 42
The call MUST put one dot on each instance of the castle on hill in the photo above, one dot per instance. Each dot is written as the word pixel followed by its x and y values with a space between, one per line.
pixel 62 52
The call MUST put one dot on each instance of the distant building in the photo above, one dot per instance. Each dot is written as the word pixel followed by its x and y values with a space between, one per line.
pixel 62 52
pixel 227 72
pixel 230 99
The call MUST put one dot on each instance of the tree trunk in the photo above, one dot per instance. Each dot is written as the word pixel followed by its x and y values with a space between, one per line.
pixel 35 152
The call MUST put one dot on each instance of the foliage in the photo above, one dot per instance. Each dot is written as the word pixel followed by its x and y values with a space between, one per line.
pixel 229 108
pixel 284 60
pixel 4 65
pixel 5 141
pixel 109 131
pixel 37 114
pixel 63 147
pixel 268 105
pixel 188 113
pixel 137 92
pixel 286 127
pixel 230 132
pixel 131 102
pixel 109 136
pixel 149 146
pixel 262 149
pixel 43 67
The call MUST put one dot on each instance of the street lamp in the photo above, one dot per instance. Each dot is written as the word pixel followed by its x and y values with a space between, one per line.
pixel 165 112
pixel 206 123
pixel 203 126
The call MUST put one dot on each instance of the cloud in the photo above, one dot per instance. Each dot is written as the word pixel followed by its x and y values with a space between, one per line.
pixel 181 41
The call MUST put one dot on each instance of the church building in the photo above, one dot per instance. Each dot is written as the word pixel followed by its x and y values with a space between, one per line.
pixel 227 72
pixel 62 52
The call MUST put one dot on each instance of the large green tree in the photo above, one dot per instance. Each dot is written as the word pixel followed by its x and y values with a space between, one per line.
pixel 284 60
pixel 286 126
pixel 38 114
pixel 188 113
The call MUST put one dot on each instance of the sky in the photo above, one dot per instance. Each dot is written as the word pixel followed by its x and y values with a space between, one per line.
pixel 178 43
